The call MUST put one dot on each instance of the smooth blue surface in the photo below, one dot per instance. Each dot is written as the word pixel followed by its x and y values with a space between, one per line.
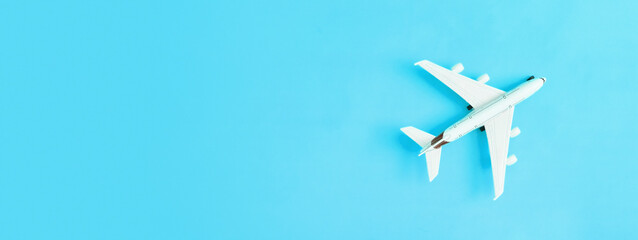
pixel 280 120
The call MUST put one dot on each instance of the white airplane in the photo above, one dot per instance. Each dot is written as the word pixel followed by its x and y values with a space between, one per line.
pixel 493 112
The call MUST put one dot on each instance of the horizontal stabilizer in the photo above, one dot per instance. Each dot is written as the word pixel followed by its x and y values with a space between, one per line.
pixel 431 157
pixel 420 137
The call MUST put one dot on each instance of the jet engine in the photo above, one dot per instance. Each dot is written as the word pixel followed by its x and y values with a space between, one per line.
pixel 483 78
pixel 515 132
pixel 511 160
pixel 457 68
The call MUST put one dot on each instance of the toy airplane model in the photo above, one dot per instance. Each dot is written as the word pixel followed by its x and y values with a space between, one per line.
pixel 493 112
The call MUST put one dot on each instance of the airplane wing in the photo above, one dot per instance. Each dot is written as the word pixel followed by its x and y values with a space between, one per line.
pixel 475 93
pixel 498 137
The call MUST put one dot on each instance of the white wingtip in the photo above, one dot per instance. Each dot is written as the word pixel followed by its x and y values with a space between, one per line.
pixel 420 62
pixel 496 197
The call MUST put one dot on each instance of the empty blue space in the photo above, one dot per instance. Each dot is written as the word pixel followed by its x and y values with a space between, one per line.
pixel 280 119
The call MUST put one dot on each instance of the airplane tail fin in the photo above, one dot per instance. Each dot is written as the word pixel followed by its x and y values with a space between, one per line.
pixel 424 139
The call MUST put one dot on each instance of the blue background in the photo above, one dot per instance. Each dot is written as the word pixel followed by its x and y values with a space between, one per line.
pixel 280 119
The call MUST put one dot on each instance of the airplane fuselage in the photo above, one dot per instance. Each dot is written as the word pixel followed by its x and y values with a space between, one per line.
pixel 482 114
